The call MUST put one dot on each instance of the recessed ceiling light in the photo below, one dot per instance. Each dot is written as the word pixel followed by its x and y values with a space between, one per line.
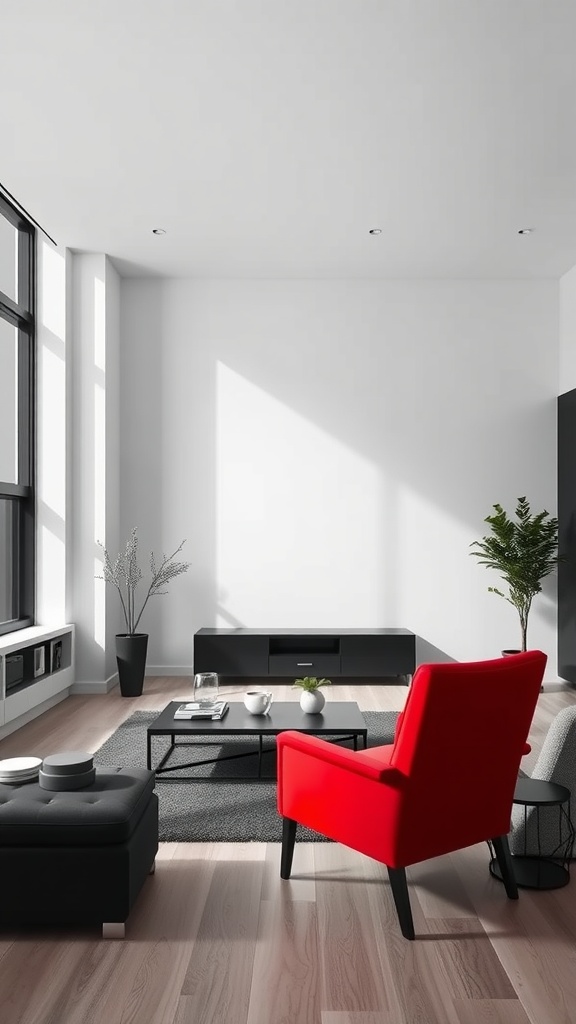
pixel 525 231
pixel 158 231
pixel 375 231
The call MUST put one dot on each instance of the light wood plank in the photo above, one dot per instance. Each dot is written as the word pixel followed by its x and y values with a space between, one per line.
pixel 414 983
pixel 467 961
pixel 490 1011
pixel 535 950
pixel 6 943
pixel 286 980
pixel 358 1017
pixel 440 890
pixel 351 970
pixel 218 978
pixel 301 886
pixel 36 974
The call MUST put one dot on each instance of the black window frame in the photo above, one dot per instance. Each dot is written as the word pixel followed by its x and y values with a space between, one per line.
pixel 20 313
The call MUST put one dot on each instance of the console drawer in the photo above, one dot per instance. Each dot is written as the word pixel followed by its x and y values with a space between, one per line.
pixel 307 664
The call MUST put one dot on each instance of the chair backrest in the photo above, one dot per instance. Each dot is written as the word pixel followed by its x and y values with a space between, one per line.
pixel 459 747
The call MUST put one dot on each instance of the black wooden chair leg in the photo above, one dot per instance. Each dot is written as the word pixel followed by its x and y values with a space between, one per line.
pixel 504 858
pixel 399 888
pixel 288 840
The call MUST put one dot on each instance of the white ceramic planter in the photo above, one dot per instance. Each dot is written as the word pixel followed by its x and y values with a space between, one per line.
pixel 312 701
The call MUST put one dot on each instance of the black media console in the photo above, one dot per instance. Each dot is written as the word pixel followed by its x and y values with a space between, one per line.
pixel 354 654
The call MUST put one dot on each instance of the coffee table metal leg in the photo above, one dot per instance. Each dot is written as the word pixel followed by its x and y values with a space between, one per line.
pixel 260 755
pixel 168 753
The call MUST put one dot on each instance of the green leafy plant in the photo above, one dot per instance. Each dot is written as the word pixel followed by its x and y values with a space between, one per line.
pixel 523 551
pixel 125 574
pixel 311 683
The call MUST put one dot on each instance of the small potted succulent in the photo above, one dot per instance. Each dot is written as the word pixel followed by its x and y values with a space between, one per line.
pixel 311 700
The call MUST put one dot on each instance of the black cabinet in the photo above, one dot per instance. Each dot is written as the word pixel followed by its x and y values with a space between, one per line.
pixel 234 652
pixel 391 653
pixel 353 654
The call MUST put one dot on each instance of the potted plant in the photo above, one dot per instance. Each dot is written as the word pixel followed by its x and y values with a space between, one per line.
pixel 125 574
pixel 523 551
pixel 311 700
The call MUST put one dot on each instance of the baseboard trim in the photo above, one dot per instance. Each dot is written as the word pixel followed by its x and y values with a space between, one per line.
pixel 33 713
pixel 169 670
pixel 95 686
pixel 554 685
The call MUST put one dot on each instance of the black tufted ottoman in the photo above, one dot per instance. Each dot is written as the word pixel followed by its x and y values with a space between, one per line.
pixel 79 857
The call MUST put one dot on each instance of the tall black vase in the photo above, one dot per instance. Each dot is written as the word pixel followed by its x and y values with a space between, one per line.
pixel 131 660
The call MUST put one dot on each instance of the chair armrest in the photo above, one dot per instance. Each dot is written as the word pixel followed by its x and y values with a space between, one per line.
pixel 329 753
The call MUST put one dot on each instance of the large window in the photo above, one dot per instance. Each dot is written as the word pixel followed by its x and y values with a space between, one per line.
pixel 17 289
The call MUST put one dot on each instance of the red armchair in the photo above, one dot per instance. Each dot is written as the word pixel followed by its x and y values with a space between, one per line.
pixel 446 782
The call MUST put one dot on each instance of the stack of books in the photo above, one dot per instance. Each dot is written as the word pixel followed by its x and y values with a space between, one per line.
pixel 202 709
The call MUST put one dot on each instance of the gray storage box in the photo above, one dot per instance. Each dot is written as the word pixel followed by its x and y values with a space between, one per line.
pixel 14 670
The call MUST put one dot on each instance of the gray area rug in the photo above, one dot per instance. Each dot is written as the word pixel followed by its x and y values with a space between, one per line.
pixel 211 811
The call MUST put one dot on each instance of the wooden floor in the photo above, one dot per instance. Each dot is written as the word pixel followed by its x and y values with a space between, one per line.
pixel 217 937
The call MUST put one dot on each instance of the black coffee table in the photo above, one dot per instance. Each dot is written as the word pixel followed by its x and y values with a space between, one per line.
pixel 342 720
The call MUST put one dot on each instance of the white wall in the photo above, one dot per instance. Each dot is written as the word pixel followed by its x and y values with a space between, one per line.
pixel 330 448
pixel 567 374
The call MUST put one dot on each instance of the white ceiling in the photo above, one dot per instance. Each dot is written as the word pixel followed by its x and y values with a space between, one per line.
pixel 268 136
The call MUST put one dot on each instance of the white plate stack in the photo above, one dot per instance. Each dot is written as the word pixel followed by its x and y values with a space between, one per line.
pixel 72 769
pixel 15 770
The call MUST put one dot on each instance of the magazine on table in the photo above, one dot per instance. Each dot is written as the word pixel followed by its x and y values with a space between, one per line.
pixel 196 709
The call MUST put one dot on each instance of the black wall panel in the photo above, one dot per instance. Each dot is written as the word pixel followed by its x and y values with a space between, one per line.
pixel 567 536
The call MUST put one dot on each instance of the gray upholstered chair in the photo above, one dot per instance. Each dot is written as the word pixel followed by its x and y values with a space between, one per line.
pixel 556 763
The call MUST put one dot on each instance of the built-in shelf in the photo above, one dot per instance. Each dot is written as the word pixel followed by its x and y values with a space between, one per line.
pixel 36 666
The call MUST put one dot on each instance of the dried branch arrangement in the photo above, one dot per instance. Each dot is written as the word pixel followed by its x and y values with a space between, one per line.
pixel 125 574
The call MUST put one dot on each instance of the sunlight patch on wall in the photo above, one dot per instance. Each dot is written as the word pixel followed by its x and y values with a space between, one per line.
pixel 99 463
pixel 52 431
pixel 99 411
pixel 52 443
pixel 51 578
pixel 99 448
pixel 52 306
pixel 298 517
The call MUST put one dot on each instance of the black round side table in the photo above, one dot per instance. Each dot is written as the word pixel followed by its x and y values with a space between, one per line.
pixel 550 870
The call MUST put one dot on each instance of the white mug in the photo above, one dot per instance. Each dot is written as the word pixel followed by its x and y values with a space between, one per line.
pixel 258 702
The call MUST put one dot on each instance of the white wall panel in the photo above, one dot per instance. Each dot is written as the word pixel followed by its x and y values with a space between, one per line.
pixel 330 449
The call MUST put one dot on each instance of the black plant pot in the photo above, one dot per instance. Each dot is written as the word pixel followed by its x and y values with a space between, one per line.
pixel 131 660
